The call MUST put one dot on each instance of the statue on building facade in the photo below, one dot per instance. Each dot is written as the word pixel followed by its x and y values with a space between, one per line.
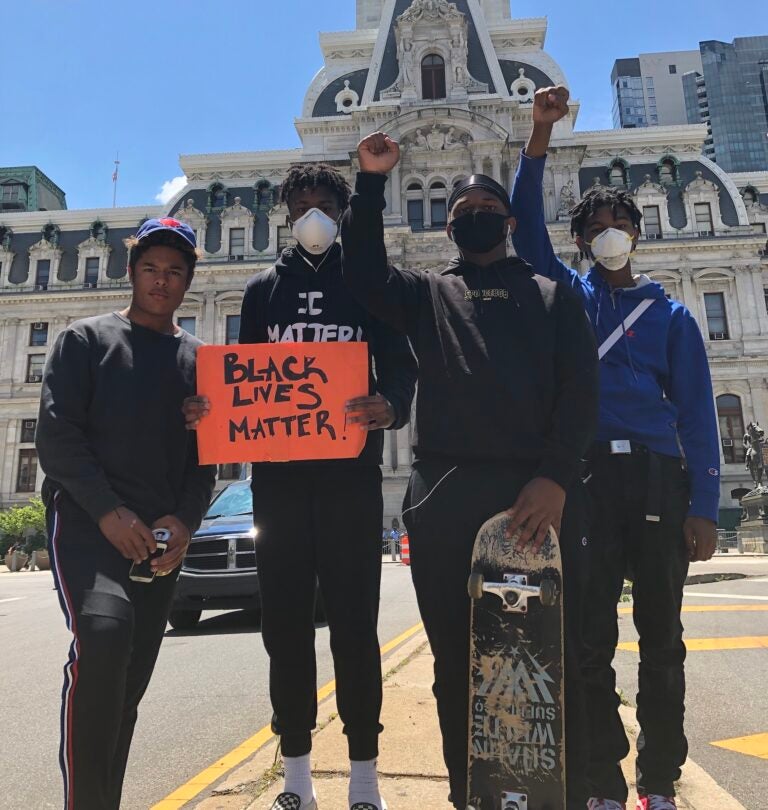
pixel 567 200
pixel 754 442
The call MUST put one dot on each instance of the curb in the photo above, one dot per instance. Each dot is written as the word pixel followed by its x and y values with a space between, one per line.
pixel 705 579
pixel 696 788
pixel 243 787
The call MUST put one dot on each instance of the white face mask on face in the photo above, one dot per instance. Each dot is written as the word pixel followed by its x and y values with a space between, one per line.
pixel 315 231
pixel 612 249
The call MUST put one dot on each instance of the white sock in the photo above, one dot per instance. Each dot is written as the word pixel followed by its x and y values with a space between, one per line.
pixel 298 778
pixel 364 783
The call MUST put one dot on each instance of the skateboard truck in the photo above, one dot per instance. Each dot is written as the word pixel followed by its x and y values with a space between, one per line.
pixel 510 801
pixel 514 593
pixel 514 801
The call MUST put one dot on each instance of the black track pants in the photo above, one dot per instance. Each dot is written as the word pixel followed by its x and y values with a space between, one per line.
pixel 443 511
pixel 117 627
pixel 654 555
pixel 321 523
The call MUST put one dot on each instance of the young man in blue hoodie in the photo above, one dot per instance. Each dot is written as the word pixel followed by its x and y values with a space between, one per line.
pixel 653 471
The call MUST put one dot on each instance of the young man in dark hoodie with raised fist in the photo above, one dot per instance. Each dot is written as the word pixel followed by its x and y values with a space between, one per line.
pixel 651 515
pixel 507 403
pixel 322 520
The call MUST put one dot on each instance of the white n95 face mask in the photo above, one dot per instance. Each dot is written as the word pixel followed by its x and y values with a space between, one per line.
pixel 315 231
pixel 612 248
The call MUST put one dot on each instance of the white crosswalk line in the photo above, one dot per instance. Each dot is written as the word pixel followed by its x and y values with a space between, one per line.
pixel 697 594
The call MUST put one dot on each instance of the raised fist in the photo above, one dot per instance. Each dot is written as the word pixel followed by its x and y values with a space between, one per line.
pixel 550 104
pixel 378 153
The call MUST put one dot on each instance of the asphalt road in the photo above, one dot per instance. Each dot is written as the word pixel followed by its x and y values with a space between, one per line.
pixel 208 694
pixel 727 695
pixel 209 690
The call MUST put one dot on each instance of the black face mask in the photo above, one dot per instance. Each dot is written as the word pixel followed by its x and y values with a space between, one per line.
pixel 479 231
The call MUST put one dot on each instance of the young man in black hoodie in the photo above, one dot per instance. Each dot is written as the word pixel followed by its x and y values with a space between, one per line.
pixel 322 520
pixel 507 404
pixel 118 464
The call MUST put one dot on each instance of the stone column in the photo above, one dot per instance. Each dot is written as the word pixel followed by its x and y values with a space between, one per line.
pixel 496 169
pixel 759 297
pixel 207 333
pixel 396 205
pixel 691 300
pixel 8 436
pixel 404 459
pixel 391 457
pixel 8 350
pixel 6 466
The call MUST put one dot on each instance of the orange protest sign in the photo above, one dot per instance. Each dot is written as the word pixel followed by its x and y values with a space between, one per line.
pixel 280 401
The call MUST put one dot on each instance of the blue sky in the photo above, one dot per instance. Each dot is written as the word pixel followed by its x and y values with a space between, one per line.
pixel 83 79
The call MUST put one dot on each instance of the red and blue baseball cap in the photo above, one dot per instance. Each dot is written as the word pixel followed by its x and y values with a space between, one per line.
pixel 181 229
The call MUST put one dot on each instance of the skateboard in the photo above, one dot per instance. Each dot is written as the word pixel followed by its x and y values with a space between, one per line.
pixel 516 719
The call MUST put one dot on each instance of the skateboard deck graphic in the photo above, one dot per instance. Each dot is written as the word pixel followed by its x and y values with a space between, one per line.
pixel 516 720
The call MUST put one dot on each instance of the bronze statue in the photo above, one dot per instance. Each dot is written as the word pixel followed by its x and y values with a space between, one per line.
pixel 754 441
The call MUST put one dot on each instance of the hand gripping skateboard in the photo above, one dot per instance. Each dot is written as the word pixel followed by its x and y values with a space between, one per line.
pixel 516 722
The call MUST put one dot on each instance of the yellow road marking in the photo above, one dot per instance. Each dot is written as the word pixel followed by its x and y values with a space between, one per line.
pixel 755 745
pixel 711 608
pixel 705 644
pixel 197 784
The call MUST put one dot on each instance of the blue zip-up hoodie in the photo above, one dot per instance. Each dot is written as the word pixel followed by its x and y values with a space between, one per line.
pixel 655 385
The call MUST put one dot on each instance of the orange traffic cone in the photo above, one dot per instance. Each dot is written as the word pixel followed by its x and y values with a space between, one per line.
pixel 405 550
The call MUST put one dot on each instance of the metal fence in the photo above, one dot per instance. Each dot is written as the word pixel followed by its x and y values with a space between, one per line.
pixel 726 540
pixel 390 546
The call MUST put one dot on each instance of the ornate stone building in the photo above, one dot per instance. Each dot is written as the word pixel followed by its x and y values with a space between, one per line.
pixel 453 83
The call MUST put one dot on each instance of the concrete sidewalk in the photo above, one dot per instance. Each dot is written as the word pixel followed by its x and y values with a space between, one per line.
pixel 410 763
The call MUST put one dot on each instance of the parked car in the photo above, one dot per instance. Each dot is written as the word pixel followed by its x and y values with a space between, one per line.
pixel 219 571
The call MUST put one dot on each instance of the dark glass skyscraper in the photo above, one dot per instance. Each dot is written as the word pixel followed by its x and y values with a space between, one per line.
pixel 731 96
pixel 628 99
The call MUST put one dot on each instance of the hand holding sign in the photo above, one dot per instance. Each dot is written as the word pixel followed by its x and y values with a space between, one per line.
pixel 278 402
pixel 371 413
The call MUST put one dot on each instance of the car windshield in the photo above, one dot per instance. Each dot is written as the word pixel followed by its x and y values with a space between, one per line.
pixel 234 500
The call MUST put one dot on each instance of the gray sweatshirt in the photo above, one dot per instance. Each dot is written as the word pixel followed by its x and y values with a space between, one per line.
pixel 111 431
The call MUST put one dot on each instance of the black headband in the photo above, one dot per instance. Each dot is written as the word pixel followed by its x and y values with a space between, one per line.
pixel 483 182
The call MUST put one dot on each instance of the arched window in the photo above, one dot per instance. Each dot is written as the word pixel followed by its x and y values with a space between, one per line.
pixel 414 196
pixel 617 174
pixel 433 77
pixel 438 205
pixel 731 421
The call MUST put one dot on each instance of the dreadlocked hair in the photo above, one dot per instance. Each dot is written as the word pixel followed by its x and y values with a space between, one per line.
pixel 602 197
pixel 314 175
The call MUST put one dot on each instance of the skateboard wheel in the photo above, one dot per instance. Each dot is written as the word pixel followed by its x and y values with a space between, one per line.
pixel 475 586
pixel 549 592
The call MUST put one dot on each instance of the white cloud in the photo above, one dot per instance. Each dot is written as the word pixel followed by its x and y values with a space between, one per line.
pixel 170 189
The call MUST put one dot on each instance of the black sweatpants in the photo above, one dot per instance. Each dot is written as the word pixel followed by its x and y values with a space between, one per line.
pixel 444 508
pixel 320 523
pixel 624 489
pixel 117 626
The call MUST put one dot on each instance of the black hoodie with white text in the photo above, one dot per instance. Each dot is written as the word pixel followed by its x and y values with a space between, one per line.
pixel 507 359
pixel 293 302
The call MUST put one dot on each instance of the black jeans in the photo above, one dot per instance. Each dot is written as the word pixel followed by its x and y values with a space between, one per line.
pixel 117 627
pixel 320 523
pixel 443 512
pixel 653 554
